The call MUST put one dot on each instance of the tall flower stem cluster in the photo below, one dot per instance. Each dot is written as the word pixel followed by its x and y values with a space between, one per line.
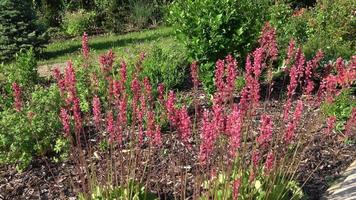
pixel 130 117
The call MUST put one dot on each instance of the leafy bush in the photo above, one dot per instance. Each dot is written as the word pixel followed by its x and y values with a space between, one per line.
pixel 327 26
pixel 211 29
pixel 341 108
pixel 75 23
pixel 331 27
pixel 110 15
pixel 165 65
pixel 141 12
pixel 19 28
pixel 32 131
pixel 23 71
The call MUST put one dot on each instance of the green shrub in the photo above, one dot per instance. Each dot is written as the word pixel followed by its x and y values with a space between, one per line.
pixel 331 27
pixel 75 23
pixel 19 28
pixel 141 12
pixel 165 65
pixel 32 131
pixel 211 29
pixel 110 15
pixel 341 108
pixel 23 71
pixel 328 26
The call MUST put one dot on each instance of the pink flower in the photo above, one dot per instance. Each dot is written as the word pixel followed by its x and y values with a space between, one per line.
pixel 218 116
pixel 219 77
pixel 266 129
pixel 289 133
pixel 106 62
pixel 77 115
pixel 150 125
pixel 16 90
pixel 85 46
pixel 116 90
pixel 70 81
pixel 184 125
pixel 236 188
pixel 331 122
pixel 255 158
pixel 148 89
pixel 110 126
pixel 65 120
pixel 298 111
pixel 309 71
pixel 231 73
pixel 290 52
pixel 170 107
pixel 351 123
pixel 60 81
pixel 194 73
pixel 160 92
pixel 207 139
pixel 268 41
pixel 233 129
pixel 123 73
pixel 269 162
pixel 157 136
pixel 96 111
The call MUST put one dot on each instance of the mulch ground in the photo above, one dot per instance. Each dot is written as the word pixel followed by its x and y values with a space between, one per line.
pixel 324 158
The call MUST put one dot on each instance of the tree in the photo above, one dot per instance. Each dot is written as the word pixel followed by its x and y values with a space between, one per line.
pixel 19 28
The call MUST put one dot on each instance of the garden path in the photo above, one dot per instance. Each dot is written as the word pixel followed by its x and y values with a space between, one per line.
pixel 345 188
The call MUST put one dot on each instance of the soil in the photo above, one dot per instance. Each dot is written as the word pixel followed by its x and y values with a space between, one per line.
pixel 323 159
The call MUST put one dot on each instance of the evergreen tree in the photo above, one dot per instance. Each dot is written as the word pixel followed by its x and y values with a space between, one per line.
pixel 18 28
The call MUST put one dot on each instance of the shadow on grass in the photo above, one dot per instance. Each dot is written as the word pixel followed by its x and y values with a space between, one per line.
pixel 103 45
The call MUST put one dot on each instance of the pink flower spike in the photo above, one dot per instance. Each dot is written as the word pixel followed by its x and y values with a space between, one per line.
pixel 194 73
pixel 96 111
pixel 331 122
pixel 16 89
pixel 184 125
pixel 236 188
pixel 233 129
pixel 351 124
pixel 157 136
pixel 269 162
pixel 266 129
pixel 110 126
pixel 65 120
pixel 85 46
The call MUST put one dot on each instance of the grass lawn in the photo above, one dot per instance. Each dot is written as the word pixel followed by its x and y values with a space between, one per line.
pixel 124 46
